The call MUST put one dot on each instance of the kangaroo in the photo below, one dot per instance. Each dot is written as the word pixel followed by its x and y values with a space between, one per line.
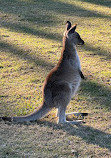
pixel 62 82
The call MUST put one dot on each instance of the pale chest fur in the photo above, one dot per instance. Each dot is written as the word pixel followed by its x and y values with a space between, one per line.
pixel 74 85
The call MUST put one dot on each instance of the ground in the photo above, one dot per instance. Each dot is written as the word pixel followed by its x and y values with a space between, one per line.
pixel 31 41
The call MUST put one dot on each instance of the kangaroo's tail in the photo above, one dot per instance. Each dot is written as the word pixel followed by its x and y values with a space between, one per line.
pixel 36 115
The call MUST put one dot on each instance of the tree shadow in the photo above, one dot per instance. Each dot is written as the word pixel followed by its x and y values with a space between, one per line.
pixel 47 19
pixel 97 51
pixel 24 55
pixel 59 7
pixel 89 134
pixel 28 30
pixel 99 94
pixel 99 2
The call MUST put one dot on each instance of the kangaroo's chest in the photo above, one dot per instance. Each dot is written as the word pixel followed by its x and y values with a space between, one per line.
pixel 75 63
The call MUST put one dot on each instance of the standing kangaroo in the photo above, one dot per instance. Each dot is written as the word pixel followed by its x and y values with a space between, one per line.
pixel 61 83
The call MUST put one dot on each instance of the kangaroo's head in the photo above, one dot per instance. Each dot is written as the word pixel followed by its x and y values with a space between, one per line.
pixel 71 35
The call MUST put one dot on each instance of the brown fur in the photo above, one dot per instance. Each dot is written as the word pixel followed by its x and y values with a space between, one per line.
pixel 62 82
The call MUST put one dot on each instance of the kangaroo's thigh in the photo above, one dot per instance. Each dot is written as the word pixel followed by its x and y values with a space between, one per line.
pixel 61 94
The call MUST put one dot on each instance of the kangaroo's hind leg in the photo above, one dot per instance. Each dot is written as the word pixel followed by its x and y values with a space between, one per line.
pixel 62 117
pixel 63 102
pixel 61 93
pixel 61 114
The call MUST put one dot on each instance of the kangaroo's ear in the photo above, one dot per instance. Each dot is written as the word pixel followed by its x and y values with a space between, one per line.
pixel 72 30
pixel 68 25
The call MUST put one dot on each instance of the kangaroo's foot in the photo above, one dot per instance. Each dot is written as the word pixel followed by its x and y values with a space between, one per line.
pixel 76 122
pixel 63 120
pixel 76 114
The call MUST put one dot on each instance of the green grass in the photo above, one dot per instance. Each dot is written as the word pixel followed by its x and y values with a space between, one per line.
pixel 31 42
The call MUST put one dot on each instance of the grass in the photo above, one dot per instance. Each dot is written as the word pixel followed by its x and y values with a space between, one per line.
pixel 31 41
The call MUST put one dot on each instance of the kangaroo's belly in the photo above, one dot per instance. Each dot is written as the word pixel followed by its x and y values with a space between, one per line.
pixel 74 86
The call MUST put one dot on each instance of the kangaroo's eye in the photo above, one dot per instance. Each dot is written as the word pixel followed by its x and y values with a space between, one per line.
pixel 77 37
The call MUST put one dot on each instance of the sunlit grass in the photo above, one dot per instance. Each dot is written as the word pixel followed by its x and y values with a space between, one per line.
pixel 31 42
pixel 96 8
pixel 32 56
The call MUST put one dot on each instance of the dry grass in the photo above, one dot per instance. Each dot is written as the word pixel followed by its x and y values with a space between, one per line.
pixel 31 40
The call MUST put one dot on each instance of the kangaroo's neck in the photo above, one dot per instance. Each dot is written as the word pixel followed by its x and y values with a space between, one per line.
pixel 69 49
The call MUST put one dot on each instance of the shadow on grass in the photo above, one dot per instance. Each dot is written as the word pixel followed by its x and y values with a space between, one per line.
pixel 97 51
pixel 57 7
pixel 99 94
pixel 98 2
pixel 88 134
pixel 31 31
pixel 24 55
pixel 25 11
pixel 54 36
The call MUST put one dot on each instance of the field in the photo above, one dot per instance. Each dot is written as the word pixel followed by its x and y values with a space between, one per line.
pixel 30 46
